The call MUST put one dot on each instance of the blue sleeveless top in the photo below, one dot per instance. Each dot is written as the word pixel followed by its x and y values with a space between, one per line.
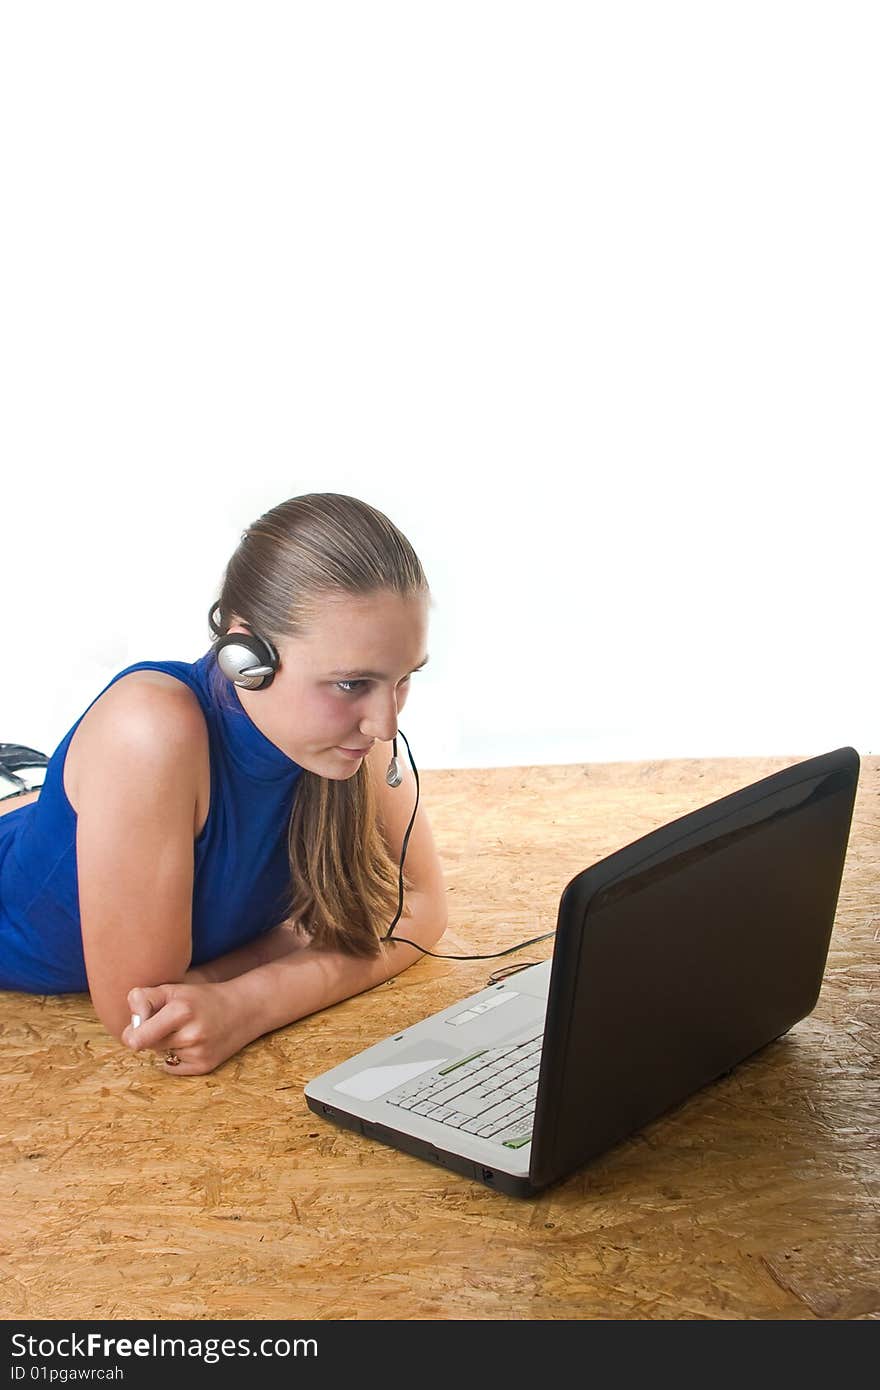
pixel 242 870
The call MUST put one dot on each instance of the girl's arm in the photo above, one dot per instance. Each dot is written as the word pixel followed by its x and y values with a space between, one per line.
pixel 136 798
pixel 217 1008
pixel 279 941
pixel 306 980
pixel 210 1022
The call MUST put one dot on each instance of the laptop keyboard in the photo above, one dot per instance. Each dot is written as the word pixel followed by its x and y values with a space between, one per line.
pixel 490 1093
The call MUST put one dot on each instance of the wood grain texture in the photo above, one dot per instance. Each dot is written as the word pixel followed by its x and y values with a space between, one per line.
pixel 127 1193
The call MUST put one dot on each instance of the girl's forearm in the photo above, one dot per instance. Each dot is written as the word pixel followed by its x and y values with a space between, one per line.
pixel 306 980
pixel 280 941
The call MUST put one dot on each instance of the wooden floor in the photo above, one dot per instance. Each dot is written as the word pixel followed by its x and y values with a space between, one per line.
pixel 127 1193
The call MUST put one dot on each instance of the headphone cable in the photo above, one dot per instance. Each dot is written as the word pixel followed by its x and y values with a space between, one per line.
pixel 389 935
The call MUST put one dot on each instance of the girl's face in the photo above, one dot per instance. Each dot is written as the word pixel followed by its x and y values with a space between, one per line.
pixel 344 685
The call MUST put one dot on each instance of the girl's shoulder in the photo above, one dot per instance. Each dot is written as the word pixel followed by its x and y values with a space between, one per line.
pixel 143 709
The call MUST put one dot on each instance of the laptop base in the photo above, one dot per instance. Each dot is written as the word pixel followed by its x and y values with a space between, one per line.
pixel 499 1181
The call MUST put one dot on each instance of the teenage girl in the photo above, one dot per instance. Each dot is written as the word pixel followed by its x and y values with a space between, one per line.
pixel 219 857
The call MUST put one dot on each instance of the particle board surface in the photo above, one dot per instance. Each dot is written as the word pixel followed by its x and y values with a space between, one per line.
pixel 129 1193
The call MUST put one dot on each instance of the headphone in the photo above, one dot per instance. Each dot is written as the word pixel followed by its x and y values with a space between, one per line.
pixel 251 661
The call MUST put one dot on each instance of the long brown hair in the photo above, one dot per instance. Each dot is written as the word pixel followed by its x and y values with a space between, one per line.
pixel 343 883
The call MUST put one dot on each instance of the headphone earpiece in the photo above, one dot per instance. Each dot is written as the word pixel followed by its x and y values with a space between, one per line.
pixel 244 658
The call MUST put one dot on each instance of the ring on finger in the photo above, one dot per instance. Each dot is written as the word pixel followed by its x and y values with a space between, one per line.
pixel 172 1059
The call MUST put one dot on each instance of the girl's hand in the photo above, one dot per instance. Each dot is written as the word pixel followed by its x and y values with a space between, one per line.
pixel 198 1023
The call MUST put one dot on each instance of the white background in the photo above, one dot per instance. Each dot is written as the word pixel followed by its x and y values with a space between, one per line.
pixel 584 296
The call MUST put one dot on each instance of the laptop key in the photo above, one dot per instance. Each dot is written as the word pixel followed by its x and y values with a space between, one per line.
pixel 515 1134
pixel 425 1107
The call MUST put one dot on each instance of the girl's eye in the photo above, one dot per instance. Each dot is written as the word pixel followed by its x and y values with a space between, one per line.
pixel 348 687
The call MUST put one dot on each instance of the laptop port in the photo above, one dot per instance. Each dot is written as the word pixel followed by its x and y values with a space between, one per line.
pixel 488 1175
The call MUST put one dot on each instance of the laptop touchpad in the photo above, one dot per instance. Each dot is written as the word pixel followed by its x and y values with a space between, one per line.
pixel 372 1082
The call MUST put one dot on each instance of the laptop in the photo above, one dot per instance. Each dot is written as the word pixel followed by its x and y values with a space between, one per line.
pixel 674 959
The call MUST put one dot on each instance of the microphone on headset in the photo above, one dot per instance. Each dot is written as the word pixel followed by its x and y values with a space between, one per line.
pixel 394 775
